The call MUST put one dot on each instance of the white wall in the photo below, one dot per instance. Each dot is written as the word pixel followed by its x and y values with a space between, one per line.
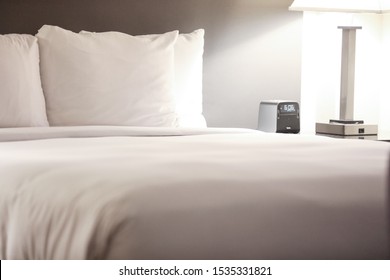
pixel 321 62
pixel 385 93
pixel 257 57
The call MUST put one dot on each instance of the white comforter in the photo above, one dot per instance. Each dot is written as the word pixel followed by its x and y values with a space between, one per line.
pixel 143 193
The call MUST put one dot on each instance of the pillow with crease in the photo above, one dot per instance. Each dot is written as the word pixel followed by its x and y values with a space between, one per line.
pixel 22 103
pixel 188 58
pixel 107 79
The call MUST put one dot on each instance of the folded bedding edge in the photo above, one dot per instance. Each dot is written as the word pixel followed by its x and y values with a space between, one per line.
pixel 38 133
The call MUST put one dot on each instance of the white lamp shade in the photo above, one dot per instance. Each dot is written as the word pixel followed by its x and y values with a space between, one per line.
pixel 351 6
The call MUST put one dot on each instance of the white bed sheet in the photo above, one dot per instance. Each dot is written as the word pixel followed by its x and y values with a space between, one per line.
pixel 144 193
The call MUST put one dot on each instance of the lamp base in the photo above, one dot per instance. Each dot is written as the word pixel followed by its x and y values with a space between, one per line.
pixel 346 129
pixel 347 121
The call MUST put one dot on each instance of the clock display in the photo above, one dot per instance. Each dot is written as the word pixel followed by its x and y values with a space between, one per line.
pixel 287 108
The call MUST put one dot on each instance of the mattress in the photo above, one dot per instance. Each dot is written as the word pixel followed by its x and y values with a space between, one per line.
pixel 161 193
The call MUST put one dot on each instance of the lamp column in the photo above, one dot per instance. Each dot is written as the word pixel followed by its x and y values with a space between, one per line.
pixel 347 84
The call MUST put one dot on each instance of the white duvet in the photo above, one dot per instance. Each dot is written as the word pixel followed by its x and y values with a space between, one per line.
pixel 144 193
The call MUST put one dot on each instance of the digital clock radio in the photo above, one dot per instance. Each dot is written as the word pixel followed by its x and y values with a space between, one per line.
pixel 281 116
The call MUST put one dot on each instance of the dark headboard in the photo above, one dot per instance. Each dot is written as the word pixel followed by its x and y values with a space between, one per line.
pixel 131 16
pixel 137 16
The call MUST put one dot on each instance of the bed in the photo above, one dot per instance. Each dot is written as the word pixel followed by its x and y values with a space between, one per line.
pixel 145 193
pixel 96 163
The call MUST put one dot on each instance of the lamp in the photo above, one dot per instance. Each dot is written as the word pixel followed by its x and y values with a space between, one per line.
pixel 345 125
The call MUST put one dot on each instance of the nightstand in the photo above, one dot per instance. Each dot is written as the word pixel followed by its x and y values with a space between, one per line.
pixel 385 137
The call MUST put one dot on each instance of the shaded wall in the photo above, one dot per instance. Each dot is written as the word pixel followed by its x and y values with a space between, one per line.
pixel 252 49
pixel 385 75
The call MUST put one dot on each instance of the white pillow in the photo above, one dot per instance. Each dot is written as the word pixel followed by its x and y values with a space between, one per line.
pixel 188 77
pixel 107 78
pixel 21 98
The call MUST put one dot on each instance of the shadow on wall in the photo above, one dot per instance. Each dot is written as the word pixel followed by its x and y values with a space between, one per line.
pixel 252 47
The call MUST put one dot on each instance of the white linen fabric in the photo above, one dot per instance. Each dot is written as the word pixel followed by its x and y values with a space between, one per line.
pixel 107 79
pixel 188 59
pixel 229 195
pixel 22 103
